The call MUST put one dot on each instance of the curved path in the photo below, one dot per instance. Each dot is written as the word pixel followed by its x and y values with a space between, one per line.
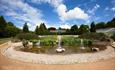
pixel 10 52
pixel 9 64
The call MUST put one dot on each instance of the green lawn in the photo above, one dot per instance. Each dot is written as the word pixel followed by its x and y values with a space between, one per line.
pixel 3 40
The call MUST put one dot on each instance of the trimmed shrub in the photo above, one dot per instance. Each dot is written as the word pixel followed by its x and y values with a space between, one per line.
pixel 72 41
pixel 94 36
pixel 26 36
pixel 113 37
pixel 47 42
pixel 87 42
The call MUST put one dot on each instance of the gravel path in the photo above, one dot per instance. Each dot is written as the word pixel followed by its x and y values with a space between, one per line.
pixel 56 59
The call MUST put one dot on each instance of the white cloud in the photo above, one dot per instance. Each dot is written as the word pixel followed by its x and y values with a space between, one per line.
pixel 20 10
pixel 92 11
pixel 113 9
pixel 76 13
pixel 54 3
pixel 66 26
pixel 113 1
pixel 107 8
pixel 62 11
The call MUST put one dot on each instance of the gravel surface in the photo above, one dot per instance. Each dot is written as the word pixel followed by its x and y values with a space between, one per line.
pixel 56 59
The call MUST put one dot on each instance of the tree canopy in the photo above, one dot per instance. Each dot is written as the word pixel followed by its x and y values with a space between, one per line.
pixel 36 30
pixel 92 27
pixel 7 29
pixel 74 29
pixel 42 30
pixel 25 28
pixel 83 29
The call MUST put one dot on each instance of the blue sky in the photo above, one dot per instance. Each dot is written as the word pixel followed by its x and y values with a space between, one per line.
pixel 57 13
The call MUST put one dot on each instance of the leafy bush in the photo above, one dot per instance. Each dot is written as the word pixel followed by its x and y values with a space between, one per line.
pixel 48 41
pixel 87 42
pixel 113 37
pixel 26 36
pixel 34 41
pixel 72 41
pixel 94 36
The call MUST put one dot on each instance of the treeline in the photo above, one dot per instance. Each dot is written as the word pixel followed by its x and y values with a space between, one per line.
pixel 109 24
pixel 74 30
pixel 8 29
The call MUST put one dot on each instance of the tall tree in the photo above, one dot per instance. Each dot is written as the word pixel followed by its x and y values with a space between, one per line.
pixel 42 30
pixel 36 30
pixel 74 29
pixel 83 29
pixel 2 26
pixel 100 25
pixel 25 28
pixel 111 23
pixel 11 31
pixel 92 27
pixel 10 24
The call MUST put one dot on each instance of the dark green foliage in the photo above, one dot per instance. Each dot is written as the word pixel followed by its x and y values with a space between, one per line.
pixel 25 28
pixel 83 29
pixel 68 32
pixel 100 25
pixel 2 22
pixel 11 31
pixel 87 42
pixel 74 30
pixel 111 23
pixel 36 30
pixel 48 41
pixel 113 37
pixel 72 41
pixel 92 27
pixel 26 36
pixel 10 24
pixel 7 29
pixel 94 36
pixel 2 26
pixel 42 30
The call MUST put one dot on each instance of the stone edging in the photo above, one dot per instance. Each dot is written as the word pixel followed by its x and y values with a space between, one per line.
pixel 57 59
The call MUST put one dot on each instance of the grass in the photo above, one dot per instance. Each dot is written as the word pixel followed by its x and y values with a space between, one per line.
pixel 3 40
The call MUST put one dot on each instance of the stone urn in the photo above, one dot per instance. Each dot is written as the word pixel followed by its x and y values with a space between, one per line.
pixel 60 50
pixel 25 43
pixel 95 49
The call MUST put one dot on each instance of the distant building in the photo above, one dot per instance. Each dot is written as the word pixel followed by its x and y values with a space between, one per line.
pixel 54 30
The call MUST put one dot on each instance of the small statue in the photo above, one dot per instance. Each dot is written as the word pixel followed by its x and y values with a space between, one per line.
pixel 25 43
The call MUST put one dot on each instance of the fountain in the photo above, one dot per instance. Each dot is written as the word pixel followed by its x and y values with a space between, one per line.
pixel 82 44
pixel 59 41
pixel 59 49
pixel 38 44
